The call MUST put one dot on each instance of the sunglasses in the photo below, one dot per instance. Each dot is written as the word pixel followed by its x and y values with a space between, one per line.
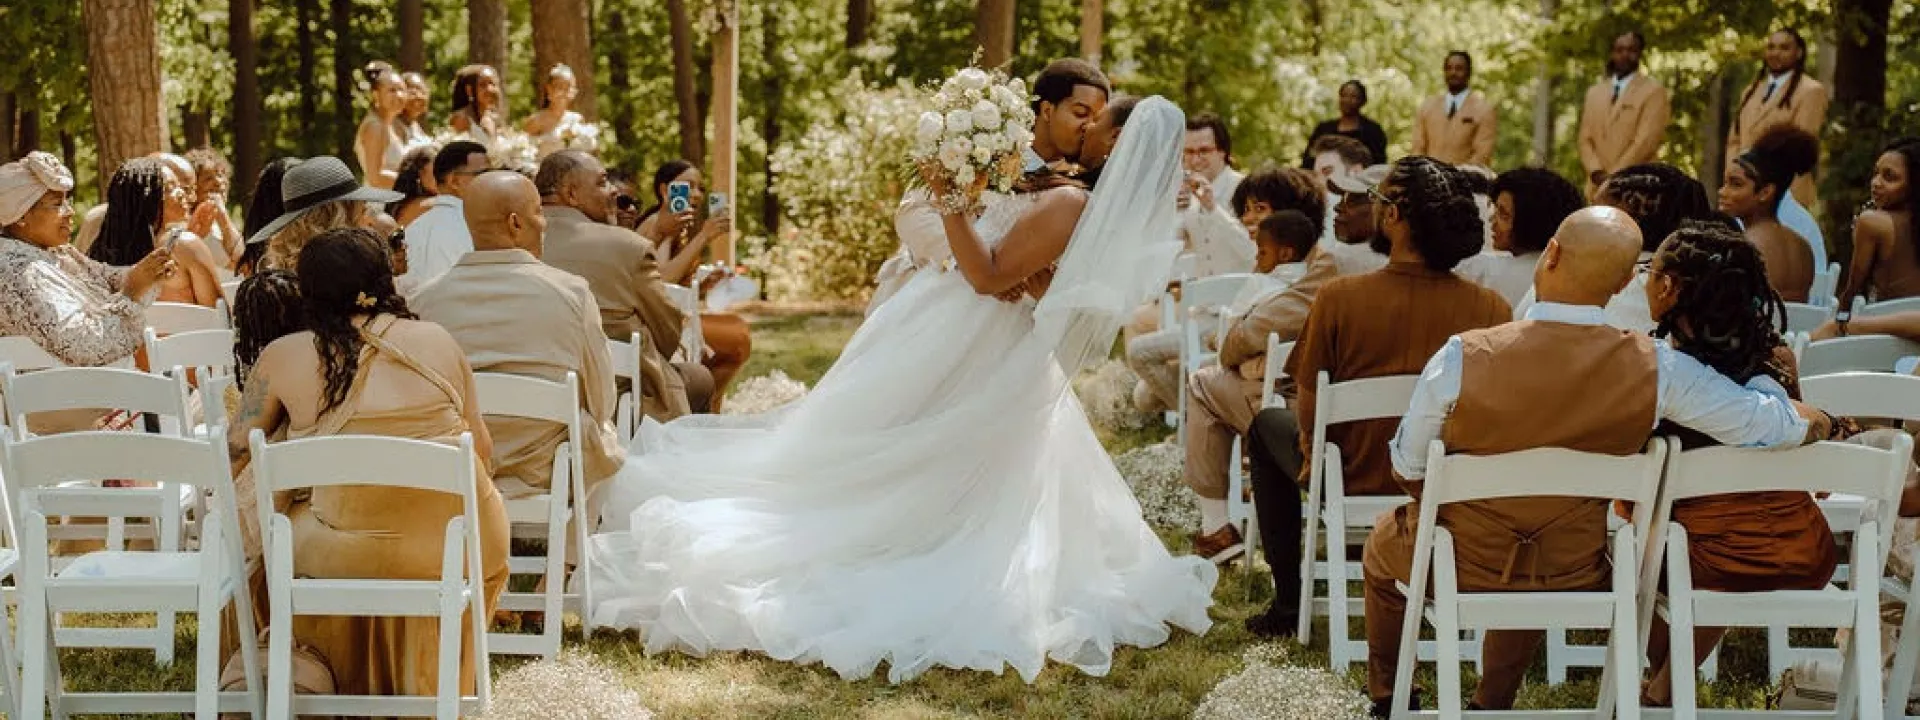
pixel 626 203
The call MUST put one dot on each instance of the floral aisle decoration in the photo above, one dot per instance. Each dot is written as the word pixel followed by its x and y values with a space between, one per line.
pixel 764 393
pixel 1273 686
pixel 972 133
pixel 574 685
pixel 1106 392
pixel 1154 474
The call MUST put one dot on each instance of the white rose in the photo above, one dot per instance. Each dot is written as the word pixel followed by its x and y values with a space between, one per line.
pixel 982 154
pixel 1005 97
pixel 986 115
pixel 1014 130
pixel 1018 87
pixel 929 128
pixel 964 176
pixel 986 141
pixel 954 153
pixel 971 78
pixel 959 121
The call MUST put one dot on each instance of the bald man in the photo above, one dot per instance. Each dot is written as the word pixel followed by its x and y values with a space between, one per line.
pixel 1510 388
pixel 514 315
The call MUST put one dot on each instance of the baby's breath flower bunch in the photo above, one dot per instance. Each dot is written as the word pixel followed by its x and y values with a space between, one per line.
pixel 574 685
pixel 978 122
pixel 1273 687
pixel 761 394
pixel 1154 474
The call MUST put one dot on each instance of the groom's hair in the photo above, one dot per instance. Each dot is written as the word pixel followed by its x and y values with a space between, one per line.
pixel 1057 81
pixel 1283 189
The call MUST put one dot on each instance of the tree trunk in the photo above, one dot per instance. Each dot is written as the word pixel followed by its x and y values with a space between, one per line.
pixel 619 77
pixel 28 129
pixel 196 128
pixel 123 78
pixel 306 16
pixel 770 90
pixel 487 34
pixel 344 66
pixel 560 35
pixel 993 30
pixel 859 20
pixel 1713 133
pixel 70 152
pixel 411 16
pixel 245 113
pixel 1860 57
pixel 726 115
pixel 1092 24
pixel 692 135
pixel 7 153
pixel 1543 98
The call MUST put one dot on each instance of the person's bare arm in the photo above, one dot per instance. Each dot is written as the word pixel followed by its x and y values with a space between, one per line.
pixel 373 148
pixel 194 257
pixel 260 409
pixel 679 268
pixel 1871 233
pixel 1039 238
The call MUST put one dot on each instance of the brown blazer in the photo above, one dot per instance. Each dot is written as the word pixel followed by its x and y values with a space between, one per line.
pixel 1805 108
pixel 1285 312
pixel 1616 134
pixel 1465 139
pixel 618 265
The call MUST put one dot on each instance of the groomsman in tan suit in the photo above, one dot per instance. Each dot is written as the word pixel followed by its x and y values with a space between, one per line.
pixel 619 266
pixel 1625 116
pixel 1458 126
pixel 1783 93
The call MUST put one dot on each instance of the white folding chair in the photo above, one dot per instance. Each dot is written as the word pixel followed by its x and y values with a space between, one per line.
pixel 168 318
pixel 1803 317
pixel 1873 353
pixel 1340 519
pixel 1198 297
pixel 208 356
pixel 1871 473
pixel 25 355
pixel 230 289
pixel 626 364
pixel 1862 308
pixel 1546 472
pixel 545 516
pixel 391 462
pixel 42 474
pixel 1826 284
pixel 1239 510
pixel 692 346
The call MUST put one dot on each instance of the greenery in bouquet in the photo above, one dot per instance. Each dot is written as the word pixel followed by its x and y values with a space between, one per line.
pixel 972 133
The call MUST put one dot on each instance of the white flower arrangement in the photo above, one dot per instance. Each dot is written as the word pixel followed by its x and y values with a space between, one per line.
pixel 509 149
pixel 763 394
pixel 573 685
pixel 1106 392
pixel 978 122
pixel 1155 474
pixel 1273 687
pixel 582 135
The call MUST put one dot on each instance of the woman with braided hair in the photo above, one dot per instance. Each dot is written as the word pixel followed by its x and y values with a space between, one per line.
pixel 1708 289
pixel 1757 181
pixel 1886 250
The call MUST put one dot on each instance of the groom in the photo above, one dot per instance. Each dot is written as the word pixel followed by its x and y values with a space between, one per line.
pixel 1069 95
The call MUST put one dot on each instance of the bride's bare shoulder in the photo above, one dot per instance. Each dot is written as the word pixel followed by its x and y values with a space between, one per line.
pixel 1067 198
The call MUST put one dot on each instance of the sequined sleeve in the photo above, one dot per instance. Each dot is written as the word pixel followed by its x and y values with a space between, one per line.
pixel 55 309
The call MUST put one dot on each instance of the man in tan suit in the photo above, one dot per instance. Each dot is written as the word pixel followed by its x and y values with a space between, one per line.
pixel 619 266
pixel 513 314
pixel 1783 93
pixel 1506 389
pixel 1625 116
pixel 1458 126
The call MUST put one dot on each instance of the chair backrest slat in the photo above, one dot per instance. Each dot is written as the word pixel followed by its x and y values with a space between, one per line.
pixel 195 349
pixel 1542 472
pixel 1864 394
pixel 1887 307
pixel 1872 353
pixel 25 355
pixel 362 460
pixel 79 388
pixel 1214 290
pixel 169 318
pixel 101 455
pixel 626 356
pixel 1364 399
pixel 527 397
pixel 1821 467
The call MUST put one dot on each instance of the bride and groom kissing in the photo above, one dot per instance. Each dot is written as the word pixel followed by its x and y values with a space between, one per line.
pixel 939 499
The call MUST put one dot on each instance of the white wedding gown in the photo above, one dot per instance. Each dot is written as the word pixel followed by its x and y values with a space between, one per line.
pixel 939 499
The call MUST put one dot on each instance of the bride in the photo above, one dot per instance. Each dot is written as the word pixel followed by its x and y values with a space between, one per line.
pixel 939 499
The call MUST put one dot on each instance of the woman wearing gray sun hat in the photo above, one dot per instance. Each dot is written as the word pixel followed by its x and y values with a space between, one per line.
pixel 319 194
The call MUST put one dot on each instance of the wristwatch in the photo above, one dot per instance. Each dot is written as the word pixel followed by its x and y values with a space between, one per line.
pixel 1840 320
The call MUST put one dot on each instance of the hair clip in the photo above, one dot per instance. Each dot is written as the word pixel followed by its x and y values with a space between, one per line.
pixel 365 301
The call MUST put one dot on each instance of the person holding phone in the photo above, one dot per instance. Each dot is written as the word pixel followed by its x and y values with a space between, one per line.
pixel 682 193
pixel 147 211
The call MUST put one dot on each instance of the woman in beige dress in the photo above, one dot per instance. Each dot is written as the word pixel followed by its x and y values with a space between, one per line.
pixel 381 141
pixel 365 366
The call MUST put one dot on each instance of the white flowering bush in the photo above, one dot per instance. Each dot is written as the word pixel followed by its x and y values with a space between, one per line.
pixel 1272 687
pixel 1106 392
pixel 764 393
pixel 973 130
pixel 582 135
pixel 574 685
pixel 1154 474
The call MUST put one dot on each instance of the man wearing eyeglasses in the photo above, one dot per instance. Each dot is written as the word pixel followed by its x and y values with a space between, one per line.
pixel 439 237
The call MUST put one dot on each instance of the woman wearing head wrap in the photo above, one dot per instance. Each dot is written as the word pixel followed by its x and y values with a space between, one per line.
pixel 79 311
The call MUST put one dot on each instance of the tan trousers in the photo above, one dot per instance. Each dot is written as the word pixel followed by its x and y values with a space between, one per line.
pixel 1505 654
pixel 1220 407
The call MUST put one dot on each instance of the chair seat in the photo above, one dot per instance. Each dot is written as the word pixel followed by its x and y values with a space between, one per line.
pixel 131 566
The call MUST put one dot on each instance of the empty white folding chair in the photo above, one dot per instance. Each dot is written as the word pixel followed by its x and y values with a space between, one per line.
pixel 626 364
pixel 41 473
pixel 168 318
pixel 547 516
pixel 1862 308
pixel 391 462
pixel 1868 472
pixel 208 356
pixel 692 346
pixel 1546 472
pixel 230 289
pixel 1804 317
pixel 1239 510
pixel 1872 353
pixel 1826 284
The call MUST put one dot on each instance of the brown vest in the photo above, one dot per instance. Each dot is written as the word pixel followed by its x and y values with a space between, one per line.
pixel 1534 384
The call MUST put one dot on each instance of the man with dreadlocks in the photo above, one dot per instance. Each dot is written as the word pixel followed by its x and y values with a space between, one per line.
pixel 1507 389
pixel 1781 94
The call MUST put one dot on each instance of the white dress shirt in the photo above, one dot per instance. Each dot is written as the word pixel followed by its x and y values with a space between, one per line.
pixel 1224 184
pixel 1627 310
pixel 1455 101
pixel 436 241
pixel 1502 272
pixel 1690 393
pixel 1030 161
pixel 1217 240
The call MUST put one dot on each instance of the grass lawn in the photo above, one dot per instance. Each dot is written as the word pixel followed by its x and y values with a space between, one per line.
pixel 1164 682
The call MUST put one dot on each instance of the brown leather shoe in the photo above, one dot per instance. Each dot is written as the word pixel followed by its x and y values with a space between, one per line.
pixel 1220 546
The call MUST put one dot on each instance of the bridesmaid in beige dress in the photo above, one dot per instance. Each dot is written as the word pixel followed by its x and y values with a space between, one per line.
pixel 367 367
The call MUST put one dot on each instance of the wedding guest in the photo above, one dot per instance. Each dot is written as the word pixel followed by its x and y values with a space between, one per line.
pixel 1756 181
pixel 476 103
pixel 620 268
pixel 1386 322
pixel 381 141
pixel 626 206
pixel 725 335
pixel 1351 124
pixel 367 366
pixel 210 219
pixel 1506 389
pixel 144 200
pixel 413 115
pixel 1458 126
pixel 317 195
pixel 90 223
pixel 438 237
pixel 554 127
pixel 1209 155
pixel 513 314
pixel 266 307
pixel 264 205
pixel 415 184
pixel 1781 94
pixel 680 238
pixel 1528 205
pixel 1625 116
pixel 1708 287
pixel 1886 265
pixel 1336 155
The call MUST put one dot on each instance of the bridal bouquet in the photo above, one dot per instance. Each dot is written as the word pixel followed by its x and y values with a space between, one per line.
pixel 974 132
